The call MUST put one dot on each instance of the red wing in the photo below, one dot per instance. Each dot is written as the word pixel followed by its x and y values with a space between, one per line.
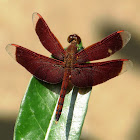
pixel 47 38
pixel 44 68
pixel 91 74
pixel 104 48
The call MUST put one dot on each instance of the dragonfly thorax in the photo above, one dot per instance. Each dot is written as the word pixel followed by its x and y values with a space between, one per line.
pixel 69 58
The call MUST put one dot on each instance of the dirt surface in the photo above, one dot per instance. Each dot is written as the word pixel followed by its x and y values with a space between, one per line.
pixel 114 107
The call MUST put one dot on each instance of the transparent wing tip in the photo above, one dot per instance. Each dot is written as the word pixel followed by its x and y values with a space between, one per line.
pixel 11 49
pixel 35 18
pixel 125 35
pixel 127 64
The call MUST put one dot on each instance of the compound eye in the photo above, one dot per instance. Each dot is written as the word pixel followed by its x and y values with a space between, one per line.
pixel 74 37
pixel 70 38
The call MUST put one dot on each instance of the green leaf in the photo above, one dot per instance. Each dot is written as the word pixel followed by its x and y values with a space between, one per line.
pixel 36 119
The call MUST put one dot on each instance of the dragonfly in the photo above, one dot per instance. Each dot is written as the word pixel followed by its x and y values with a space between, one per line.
pixel 70 65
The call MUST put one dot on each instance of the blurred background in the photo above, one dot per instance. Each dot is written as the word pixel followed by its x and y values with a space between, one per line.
pixel 114 106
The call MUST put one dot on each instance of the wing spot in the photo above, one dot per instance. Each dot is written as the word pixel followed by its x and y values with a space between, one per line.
pixel 110 51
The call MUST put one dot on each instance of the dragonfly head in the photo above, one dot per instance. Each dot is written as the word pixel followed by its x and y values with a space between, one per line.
pixel 74 38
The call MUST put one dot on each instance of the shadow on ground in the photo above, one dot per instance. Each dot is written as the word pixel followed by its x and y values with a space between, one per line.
pixel 6 129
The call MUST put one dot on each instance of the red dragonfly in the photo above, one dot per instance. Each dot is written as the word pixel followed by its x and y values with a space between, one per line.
pixel 70 65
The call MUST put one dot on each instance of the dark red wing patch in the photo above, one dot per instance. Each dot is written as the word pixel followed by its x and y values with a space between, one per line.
pixel 47 38
pixel 96 73
pixel 104 48
pixel 44 68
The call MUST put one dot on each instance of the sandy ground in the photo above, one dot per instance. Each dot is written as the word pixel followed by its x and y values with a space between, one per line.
pixel 114 107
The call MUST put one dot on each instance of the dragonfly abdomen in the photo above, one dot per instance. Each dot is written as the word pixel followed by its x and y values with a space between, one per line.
pixel 62 93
